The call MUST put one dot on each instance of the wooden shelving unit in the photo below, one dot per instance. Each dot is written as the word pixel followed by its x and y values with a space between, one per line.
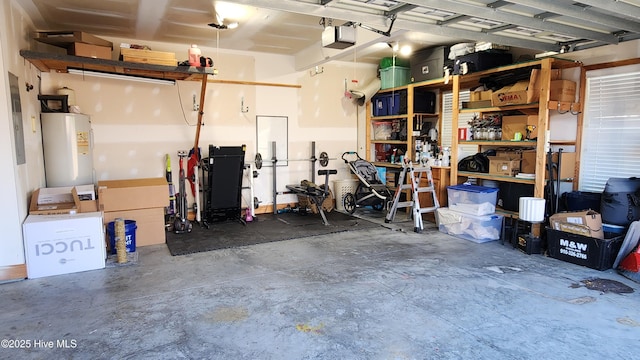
pixel 47 62
pixel 440 174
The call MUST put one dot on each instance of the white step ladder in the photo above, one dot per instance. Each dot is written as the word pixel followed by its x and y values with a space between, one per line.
pixel 415 174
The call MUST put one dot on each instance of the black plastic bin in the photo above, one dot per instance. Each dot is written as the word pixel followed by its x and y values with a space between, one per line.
pixel 510 194
pixel 582 200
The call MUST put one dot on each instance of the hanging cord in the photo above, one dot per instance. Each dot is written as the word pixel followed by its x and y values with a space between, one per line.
pixel 215 72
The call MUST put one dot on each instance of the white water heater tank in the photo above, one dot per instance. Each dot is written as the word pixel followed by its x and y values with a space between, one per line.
pixel 67 142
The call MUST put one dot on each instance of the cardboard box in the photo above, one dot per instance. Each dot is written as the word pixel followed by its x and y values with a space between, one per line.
pixel 511 154
pixel 515 94
pixel 596 253
pixel 63 200
pixel 89 50
pixel 150 224
pixel 118 195
pixel 50 201
pixel 66 38
pixel 518 123
pixel 88 206
pixel 481 95
pixel 86 192
pixel 585 223
pixel 567 164
pixel 148 56
pixel 503 166
pixel 522 92
pixel 63 244
pixel 562 90
pixel 476 104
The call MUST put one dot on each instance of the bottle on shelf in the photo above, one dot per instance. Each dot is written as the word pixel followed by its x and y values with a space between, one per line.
pixel 194 55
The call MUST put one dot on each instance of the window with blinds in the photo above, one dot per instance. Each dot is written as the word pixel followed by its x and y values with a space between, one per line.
pixel 463 119
pixel 611 127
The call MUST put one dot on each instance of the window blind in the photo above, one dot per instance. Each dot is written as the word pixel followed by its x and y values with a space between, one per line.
pixel 611 127
pixel 463 119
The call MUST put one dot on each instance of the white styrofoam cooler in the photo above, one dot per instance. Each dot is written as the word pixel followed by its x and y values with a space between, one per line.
pixel 474 228
pixel 63 244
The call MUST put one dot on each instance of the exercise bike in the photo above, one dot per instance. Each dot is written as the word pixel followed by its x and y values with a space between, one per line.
pixel 181 224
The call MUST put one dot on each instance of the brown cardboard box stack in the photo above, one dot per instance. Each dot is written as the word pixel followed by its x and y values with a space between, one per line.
pixel 142 200
pixel 478 99
pixel 510 163
pixel 77 43
pixel 528 91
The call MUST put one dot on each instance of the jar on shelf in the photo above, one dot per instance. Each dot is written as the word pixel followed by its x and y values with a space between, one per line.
pixel 491 134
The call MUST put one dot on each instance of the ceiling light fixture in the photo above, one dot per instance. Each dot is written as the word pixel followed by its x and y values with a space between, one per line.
pixel 223 26
pixel 220 25
pixel 406 50
pixel 106 75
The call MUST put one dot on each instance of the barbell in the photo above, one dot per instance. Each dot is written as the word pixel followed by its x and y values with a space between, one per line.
pixel 324 160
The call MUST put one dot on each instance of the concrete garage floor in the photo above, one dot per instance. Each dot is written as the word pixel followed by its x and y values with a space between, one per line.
pixel 368 294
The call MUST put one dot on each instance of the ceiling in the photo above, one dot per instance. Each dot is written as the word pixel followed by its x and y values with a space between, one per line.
pixel 294 27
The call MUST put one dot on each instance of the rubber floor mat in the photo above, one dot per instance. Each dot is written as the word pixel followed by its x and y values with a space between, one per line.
pixel 265 228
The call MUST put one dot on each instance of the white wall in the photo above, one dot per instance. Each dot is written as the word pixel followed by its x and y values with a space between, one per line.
pixel 17 180
pixel 11 253
pixel 136 124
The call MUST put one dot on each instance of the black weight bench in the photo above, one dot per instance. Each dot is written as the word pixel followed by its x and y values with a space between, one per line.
pixel 316 194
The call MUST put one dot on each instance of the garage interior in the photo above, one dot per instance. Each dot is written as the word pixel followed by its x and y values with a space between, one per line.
pixel 274 257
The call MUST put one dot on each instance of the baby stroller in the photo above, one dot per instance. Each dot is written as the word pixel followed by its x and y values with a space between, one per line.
pixel 370 191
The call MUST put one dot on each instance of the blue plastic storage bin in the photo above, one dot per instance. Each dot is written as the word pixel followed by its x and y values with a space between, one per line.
pixel 393 104
pixel 380 104
pixel 472 199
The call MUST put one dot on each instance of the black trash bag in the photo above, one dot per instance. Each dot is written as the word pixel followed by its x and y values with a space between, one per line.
pixel 477 162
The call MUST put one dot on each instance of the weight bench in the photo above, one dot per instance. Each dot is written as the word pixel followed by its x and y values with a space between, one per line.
pixel 316 194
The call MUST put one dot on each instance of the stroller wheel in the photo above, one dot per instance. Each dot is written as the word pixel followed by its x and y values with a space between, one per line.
pixel 349 203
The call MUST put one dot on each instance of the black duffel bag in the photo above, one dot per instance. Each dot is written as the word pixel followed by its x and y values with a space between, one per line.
pixel 620 203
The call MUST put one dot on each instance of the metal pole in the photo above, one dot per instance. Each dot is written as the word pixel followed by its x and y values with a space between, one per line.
pixel 313 163
pixel 274 160
pixel 251 184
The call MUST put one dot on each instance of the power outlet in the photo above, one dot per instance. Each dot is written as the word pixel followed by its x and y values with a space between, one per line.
pixel 196 106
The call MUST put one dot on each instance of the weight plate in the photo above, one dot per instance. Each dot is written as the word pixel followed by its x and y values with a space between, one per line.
pixel 324 159
pixel 258 161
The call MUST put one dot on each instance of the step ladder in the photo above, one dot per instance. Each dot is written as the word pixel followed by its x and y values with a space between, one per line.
pixel 415 174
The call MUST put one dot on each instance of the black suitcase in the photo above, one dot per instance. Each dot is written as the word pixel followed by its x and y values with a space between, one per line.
pixel 479 61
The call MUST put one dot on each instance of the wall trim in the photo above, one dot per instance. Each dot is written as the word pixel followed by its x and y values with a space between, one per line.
pixel 13 272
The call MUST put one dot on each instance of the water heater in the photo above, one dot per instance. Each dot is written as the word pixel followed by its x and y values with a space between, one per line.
pixel 67 142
